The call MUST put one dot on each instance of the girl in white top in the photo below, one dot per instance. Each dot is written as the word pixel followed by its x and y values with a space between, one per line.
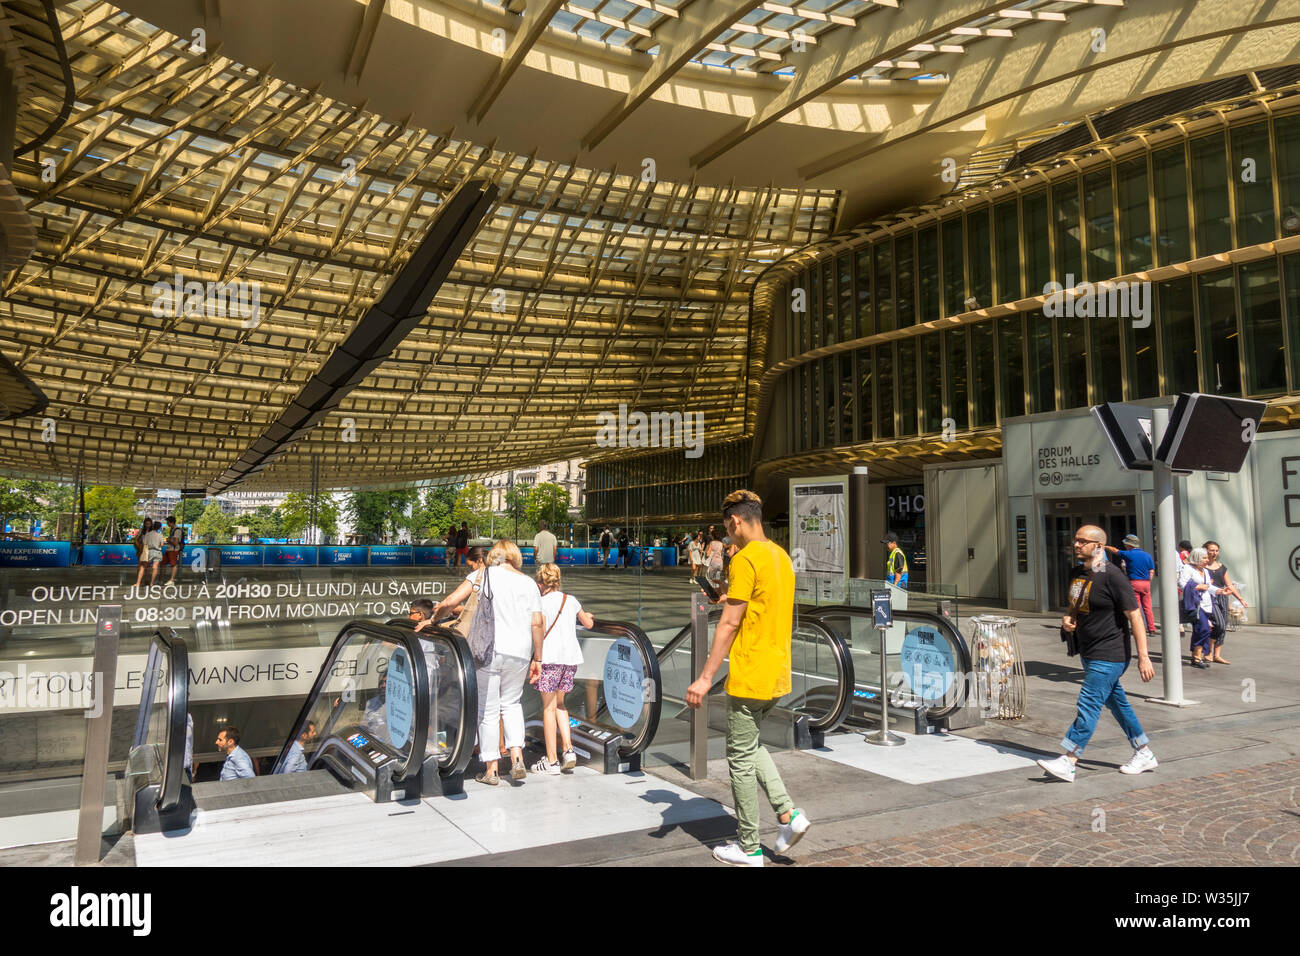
pixel 151 545
pixel 517 613
pixel 561 656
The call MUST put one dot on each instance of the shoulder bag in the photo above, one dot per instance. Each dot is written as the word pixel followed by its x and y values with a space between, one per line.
pixel 461 625
pixel 483 627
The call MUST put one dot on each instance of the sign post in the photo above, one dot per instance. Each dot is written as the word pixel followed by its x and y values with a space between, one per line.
pixel 883 617
pixel 1171 651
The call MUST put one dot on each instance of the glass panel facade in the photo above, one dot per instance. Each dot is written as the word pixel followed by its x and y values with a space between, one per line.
pixel 1291 273
pixel 1286 133
pixel 1042 378
pixel 1011 360
pixel 866 384
pixel 905 293
pixel 1107 372
pixel 1143 358
pixel 848 398
pixel 979 253
pixel 983 384
pixel 884 287
pixel 954 268
pixel 927 270
pixel 831 390
pixel 885 391
pixel 1261 326
pixel 1099 215
pixel 1006 237
pixel 956 375
pixel 907 387
pixel 1169 171
pixel 931 384
pixel 1135 243
pixel 1252 177
pixel 1069 245
pixel 829 336
pixel 1072 354
pixel 844 277
pixel 1178 332
pixel 1221 361
pixel 1210 197
pixel 1038 252
pixel 866 318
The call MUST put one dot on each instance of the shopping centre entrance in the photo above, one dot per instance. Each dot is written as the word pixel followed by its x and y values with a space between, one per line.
pixel 1117 516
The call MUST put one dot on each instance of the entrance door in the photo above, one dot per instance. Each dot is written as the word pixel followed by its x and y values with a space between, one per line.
pixel 1116 516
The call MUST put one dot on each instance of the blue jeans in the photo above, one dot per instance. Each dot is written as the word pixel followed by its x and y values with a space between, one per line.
pixel 1101 687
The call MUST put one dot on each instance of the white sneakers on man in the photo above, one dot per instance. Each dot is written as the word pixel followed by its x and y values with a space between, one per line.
pixel 733 854
pixel 1141 760
pixel 788 834
pixel 1062 768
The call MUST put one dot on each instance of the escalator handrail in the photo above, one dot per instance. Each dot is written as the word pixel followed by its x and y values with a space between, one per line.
pixel 920 617
pixel 650 666
pixel 681 636
pixel 173 647
pixel 458 760
pixel 410 643
pixel 846 680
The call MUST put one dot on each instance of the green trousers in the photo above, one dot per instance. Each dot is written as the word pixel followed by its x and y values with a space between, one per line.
pixel 751 765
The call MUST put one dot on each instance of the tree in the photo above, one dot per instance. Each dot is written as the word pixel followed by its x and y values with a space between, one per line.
pixel 516 516
pixel 548 502
pixel 265 522
pixel 295 514
pixel 189 510
pixel 109 511
pixel 214 525
pixel 377 514
pixel 433 515
pixel 474 506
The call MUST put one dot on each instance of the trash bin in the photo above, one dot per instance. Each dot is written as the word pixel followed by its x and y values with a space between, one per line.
pixel 999 668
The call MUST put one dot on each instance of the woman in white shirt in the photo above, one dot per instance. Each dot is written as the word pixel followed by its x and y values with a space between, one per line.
pixel 1193 571
pixel 151 545
pixel 561 657
pixel 517 613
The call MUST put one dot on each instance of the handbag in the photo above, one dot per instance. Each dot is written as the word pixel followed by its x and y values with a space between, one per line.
pixel 1191 603
pixel 483 628
pixel 460 626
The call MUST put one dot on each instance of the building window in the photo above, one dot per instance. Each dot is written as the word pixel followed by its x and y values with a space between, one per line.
pixel 885 391
pixel 1038 252
pixel 927 274
pixel 1006 228
pixel 954 268
pixel 884 287
pixel 1042 378
pixel 1073 357
pixel 830 393
pixel 844 266
pixel 1178 333
pixel 1210 196
pixel 980 250
pixel 905 293
pixel 907 387
pixel 931 383
pixel 848 394
pixel 1107 370
pixel 1134 216
pixel 1170 173
pixel 1099 215
pixel 866 382
pixel 828 303
pixel 1011 359
pixel 1252 178
pixel 983 361
pixel 1261 323
pixel 815 307
pixel 1221 361
pixel 866 321
pixel 1286 130
pixel 957 369
pixel 1291 272
pixel 1069 244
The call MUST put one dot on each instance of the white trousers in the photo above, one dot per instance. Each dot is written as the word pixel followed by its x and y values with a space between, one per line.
pixel 500 685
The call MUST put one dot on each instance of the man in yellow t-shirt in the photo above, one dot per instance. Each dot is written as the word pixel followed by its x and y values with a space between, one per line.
pixel 755 631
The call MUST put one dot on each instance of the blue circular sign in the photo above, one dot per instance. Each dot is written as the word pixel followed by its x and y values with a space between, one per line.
pixel 399 707
pixel 623 683
pixel 927 663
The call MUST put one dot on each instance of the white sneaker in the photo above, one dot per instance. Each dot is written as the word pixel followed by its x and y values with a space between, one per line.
pixel 1141 760
pixel 733 854
pixel 545 766
pixel 788 834
pixel 1062 768
pixel 569 761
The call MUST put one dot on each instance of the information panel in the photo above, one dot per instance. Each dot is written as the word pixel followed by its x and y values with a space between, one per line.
pixel 109 555
pixel 386 554
pixel 819 513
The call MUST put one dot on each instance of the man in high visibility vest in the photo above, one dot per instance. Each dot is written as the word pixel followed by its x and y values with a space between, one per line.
pixel 895 562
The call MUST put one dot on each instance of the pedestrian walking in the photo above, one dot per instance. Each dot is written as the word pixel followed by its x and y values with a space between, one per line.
pixel 755 628
pixel 895 561
pixel 1139 566
pixel 1198 589
pixel 1101 626
pixel 561 658
pixel 1223 581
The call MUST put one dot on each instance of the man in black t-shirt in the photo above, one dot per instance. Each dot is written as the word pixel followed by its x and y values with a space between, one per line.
pixel 1103 613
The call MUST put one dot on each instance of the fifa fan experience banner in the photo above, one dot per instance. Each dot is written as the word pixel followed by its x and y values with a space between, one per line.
pixel 35 554
pixel 819 519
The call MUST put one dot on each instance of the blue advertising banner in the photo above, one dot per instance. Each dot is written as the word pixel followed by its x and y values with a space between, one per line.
pixel 429 555
pixel 341 555
pixel 116 555
pixel 239 554
pixel 530 556
pixel 37 554
pixel 572 557
pixel 385 554
pixel 292 554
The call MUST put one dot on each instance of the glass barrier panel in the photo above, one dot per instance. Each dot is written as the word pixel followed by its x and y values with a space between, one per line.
pixel 445 699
